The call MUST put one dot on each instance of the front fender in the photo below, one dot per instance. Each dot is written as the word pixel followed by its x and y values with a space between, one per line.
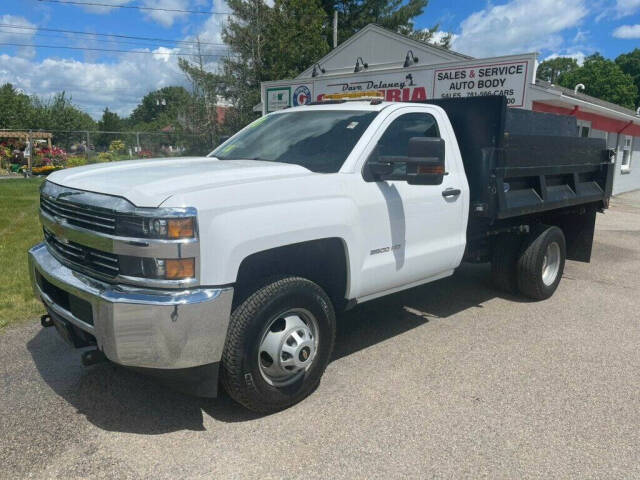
pixel 238 234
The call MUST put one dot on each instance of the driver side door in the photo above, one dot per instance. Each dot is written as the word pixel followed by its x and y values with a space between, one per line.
pixel 416 233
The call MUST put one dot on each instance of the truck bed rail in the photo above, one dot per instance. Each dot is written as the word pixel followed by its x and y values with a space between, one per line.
pixel 520 162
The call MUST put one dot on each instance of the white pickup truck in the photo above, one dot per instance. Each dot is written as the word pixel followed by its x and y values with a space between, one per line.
pixel 234 265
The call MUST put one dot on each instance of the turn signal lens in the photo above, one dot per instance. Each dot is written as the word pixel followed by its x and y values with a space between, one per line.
pixel 178 269
pixel 180 228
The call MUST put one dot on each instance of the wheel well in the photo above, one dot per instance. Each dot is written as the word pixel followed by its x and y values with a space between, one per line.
pixel 321 261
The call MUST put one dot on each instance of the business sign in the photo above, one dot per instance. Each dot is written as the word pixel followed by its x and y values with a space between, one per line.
pixel 506 76
pixel 399 86
pixel 278 98
pixel 508 79
pixel 302 95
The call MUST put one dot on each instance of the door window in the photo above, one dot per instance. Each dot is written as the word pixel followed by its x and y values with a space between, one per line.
pixel 395 140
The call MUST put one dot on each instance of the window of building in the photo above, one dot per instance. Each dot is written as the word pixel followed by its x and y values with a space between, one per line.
pixel 584 128
pixel 627 153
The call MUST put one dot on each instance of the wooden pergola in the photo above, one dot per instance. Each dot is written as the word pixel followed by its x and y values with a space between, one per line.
pixel 28 137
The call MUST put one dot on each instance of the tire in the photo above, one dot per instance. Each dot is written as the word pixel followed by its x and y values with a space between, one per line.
pixel 541 262
pixel 247 375
pixel 504 263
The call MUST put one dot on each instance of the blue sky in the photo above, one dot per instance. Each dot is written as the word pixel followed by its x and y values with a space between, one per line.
pixel 118 80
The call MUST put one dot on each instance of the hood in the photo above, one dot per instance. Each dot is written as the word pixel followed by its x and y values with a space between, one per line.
pixel 148 183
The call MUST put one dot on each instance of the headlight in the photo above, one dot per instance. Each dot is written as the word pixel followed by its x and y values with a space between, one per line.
pixel 158 268
pixel 156 227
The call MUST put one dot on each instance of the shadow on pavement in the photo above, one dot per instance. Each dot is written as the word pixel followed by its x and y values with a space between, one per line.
pixel 117 399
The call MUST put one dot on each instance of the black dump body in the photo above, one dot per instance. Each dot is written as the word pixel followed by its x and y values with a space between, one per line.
pixel 522 164
pixel 519 162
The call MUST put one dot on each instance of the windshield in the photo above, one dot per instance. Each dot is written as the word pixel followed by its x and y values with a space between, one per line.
pixel 318 140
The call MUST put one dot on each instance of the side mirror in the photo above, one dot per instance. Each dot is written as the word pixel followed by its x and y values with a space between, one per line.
pixel 425 162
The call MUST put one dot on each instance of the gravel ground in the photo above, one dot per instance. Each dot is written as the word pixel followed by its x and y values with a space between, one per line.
pixel 448 380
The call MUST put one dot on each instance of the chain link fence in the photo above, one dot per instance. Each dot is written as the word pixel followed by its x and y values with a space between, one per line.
pixel 26 151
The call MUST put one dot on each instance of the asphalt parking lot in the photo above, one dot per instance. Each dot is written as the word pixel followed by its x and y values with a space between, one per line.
pixel 447 380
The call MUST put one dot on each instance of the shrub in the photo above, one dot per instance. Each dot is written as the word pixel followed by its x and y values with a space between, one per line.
pixel 104 157
pixel 116 146
pixel 76 161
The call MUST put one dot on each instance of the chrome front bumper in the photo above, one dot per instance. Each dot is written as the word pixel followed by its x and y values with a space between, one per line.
pixel 160 329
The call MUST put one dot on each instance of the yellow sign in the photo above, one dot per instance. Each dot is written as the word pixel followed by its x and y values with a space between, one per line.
pixel 367 95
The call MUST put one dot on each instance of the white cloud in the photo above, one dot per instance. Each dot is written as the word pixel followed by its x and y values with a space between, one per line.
pixel 627 31
pixel 166 18
pixel 18 35
pixel 163 17
pixel 626 7
pixel 93 86
pixel 518 26
pixel 120 85
pixel 437 37
pixel 100 10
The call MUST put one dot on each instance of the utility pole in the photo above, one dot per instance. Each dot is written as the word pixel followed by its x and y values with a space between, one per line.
pixel 335 28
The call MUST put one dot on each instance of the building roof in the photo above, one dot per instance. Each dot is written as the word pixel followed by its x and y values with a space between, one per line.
pixel 567 92
pixel 388 50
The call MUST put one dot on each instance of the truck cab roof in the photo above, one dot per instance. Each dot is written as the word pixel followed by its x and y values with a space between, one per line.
pixel 364 105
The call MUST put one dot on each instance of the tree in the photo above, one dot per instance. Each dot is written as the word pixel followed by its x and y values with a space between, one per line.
pixel 550 70
pixel 602 79
pixel 110 122
pixel 16 110
pixel 60 115
pixel 162 107
pixel 629 63
pixel 201 120
pixel 426 35
pixel 267 44
pixel 395 15
pixel 295 26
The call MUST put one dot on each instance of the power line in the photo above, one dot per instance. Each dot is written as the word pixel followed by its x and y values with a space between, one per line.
pixel 135 7
pixel 111 50
pixel 116 42
pixel 78 32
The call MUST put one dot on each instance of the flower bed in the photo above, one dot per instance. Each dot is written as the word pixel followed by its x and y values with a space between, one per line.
pixel 54 156
pixel 45 169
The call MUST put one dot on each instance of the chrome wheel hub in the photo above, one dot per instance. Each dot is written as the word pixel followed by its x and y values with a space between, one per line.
pixel 551 264
pixel 288 347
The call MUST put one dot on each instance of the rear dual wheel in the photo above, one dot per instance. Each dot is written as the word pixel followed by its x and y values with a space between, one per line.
pixel 532 265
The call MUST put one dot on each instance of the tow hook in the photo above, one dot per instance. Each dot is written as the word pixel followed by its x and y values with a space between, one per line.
pixel 45 321
pixel 91 357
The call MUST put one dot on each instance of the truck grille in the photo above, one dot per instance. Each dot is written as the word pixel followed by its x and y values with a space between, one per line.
pixel 91 218
pixel 85 258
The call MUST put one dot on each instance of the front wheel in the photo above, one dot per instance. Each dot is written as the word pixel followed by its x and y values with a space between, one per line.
pixel 279 342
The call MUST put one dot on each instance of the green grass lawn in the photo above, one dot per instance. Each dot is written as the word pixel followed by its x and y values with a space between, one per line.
pixel 19 230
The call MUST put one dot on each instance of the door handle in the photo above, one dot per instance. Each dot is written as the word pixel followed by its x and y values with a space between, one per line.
pixel 451 192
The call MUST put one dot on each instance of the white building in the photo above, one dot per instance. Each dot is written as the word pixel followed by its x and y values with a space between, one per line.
pixel 404 69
